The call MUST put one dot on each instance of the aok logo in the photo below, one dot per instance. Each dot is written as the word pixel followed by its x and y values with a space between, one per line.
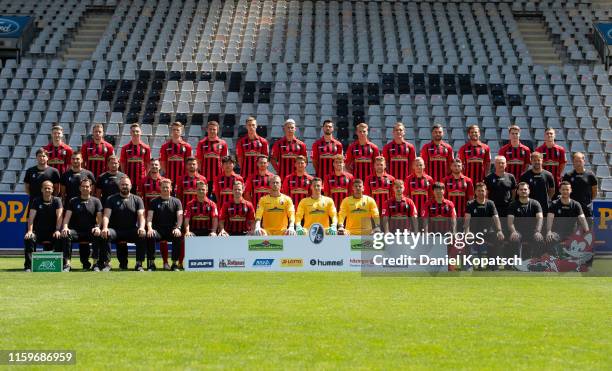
pixel 7 26
pixel 13 212
pixel 46 265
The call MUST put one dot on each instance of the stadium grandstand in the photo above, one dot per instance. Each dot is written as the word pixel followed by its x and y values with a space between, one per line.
pixel 491 63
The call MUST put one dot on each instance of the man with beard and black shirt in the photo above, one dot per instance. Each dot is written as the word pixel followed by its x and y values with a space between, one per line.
pixel 41 172
pixel 44 222
pixel 108 183
pixel 164 220
pixel 541 182
pixel 70 181
pixel 563 214
pixel 501 186
pixel 82 224
pixel 123 221
pixel 584 184
pixel 479 214
pixel 525 220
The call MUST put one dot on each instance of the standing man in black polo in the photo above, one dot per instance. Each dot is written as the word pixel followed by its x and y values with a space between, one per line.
pixel 44 223
pixel 124 221
pixel 525 221
pixel 584 185
pixel 70 181
pixel 107 183
pixel 164 221
pixel 541 182
pixel 501 186
pixel 82 224
pixel 41 172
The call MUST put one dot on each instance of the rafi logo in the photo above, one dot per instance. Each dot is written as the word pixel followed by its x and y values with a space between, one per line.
pixel 7 26
pixel 231 263
pixel 263 262
pixel 316 233
pixel 265 245
pixel 292 263
pixel 201 263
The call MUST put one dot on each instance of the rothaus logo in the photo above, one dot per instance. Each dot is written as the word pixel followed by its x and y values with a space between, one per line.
pixel 231 263
pixel 327 263
pixel 7 26
pixel 201 263
pixel 263 262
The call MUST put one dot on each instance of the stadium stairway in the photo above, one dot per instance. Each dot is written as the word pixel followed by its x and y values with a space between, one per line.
pixel 87 36
pixel 538 43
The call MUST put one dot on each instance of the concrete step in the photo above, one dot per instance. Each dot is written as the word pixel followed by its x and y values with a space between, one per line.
pixel 85 39
pixel 538 43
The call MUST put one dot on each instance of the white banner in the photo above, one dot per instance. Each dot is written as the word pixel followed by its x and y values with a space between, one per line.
pixel 297 253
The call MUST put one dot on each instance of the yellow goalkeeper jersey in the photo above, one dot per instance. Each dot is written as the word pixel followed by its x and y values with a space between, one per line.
pixel 319 211
pixel 355 214
pixel 275 213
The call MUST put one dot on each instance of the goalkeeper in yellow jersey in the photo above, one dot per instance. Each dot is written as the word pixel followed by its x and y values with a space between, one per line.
pixel 275 213
pixel 357 212
pixel 316 209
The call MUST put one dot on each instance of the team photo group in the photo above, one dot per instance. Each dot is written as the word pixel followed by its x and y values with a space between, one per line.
pixel 523 201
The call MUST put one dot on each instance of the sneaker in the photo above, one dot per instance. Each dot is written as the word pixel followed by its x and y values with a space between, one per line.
pixel 27 270
pixel 107 268
pixel 123 266
pixel 139 268
pixel 180 266
pixel 67 268
pixel 87 266
pixel 175 268
pixel 152 267
pixel 96 268
pixel 167 267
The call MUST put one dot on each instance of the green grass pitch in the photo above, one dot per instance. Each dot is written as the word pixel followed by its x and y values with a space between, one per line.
pixel 183 320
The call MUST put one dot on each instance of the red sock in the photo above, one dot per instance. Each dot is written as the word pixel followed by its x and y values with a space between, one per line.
pixel 163 249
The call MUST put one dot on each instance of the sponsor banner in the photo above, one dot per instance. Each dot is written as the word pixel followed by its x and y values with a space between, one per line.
pixel 602 226
pixel 606 31
pixel 47 262
pixel 290 253
pixel 13 26
pixel 13 219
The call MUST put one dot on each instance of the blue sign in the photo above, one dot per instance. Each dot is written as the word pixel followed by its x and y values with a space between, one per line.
pixel 602 226
pixel 606 31
pixel 13 220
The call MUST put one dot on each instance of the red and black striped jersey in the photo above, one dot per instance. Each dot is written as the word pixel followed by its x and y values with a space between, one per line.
pixel 439 215
pixel 258 186
pixel 186 188
pixel 285 152
pixel 247 151
pixel 209 153
pixel 553 159
pixel 438 159
pixel 360 158
pixel 517 159
pixel 173 156
pixel 399 158
pixel 476 161
pixel 338 187
pixel 95 156
pixel 201 214
pixel 323 153
pixel 135 160
pixel 399 213
pixel 380 188
pixel 223 186
pixel 459 191
pixel 59 157
pixel 297 187
pixel 419 189
pixel 149 189
pixel 237 217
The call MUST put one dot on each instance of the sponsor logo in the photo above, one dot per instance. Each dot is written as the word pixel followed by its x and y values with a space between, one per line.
pixel 292 262
pixel 362 244
pixel 7 26
pixel 316 233
pixel 327 263
pixel 201 263
pixel 231 263
pixel 263 262
pixel 265 245
pixel 354 262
